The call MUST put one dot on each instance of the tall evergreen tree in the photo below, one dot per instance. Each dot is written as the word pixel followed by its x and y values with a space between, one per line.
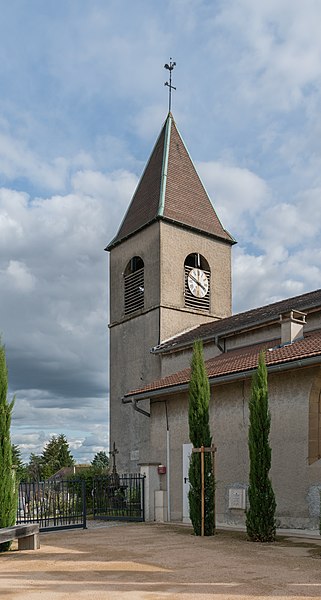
pixel 56 455
pixel 199 433
pixel 34 467
pixel 100 462
pixel 19 466
pixel 260 517
pixel 8 487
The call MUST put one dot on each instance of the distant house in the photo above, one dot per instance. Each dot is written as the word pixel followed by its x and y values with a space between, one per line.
pixel 170 284
pixel 65 472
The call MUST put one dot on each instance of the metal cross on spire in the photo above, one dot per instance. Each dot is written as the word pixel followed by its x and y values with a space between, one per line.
pixel 170 67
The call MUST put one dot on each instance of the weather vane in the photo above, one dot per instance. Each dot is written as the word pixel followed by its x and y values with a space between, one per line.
pixel 170 67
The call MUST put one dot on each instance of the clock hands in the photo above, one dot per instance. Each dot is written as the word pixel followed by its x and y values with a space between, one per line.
pixel 197 282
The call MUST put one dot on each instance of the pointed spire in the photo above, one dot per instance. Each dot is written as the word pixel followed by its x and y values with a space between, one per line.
pixel 170 189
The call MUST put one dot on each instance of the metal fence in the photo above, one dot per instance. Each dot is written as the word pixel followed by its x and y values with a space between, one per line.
pixel 119 497
pixel 53 504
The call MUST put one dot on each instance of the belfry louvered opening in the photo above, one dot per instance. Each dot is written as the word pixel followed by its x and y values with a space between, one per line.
pixel 134 285
pixel 197 275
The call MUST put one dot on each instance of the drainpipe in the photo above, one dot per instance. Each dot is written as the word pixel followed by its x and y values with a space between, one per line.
pixel 168 479
pixel 133 402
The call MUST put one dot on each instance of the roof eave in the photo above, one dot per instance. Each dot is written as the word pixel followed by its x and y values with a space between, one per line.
pixel 227 378
pixel 116 240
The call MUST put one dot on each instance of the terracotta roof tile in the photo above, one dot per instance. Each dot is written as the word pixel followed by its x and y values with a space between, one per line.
pixel 243 359
pixel 244 320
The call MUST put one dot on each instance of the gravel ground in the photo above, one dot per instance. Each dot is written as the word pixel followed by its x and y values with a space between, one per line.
pixel 151 561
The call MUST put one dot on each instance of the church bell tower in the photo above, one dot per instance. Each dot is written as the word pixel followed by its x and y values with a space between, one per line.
pixel 170 270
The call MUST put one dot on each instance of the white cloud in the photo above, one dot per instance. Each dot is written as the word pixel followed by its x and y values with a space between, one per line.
pixel 237 194
pixel 23 280
pixel 54 304
pixel 77 122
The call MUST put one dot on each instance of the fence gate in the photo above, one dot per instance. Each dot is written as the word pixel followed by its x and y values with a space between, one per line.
pixel 119 497
pixel 52 504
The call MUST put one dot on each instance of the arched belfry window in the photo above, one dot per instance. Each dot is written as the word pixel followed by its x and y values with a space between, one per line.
pixel 197 282
pixel 134 285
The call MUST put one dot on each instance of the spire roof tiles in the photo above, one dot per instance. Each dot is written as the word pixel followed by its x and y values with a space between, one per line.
pixel 170 189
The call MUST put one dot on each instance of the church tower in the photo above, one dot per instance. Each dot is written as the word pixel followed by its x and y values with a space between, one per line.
pixel 170 270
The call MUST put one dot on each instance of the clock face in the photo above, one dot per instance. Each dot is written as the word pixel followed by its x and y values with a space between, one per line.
pixel 197 283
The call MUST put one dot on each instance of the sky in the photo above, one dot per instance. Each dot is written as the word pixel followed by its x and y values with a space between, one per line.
pixel 82 102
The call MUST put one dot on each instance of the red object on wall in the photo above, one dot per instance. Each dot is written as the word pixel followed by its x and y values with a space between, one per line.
pixel 161 469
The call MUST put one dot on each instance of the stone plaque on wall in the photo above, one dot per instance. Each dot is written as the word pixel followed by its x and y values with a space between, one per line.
pixel 237 498
pixel 134 455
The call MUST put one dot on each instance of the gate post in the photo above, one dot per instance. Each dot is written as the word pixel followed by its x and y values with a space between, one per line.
pixel 152 484
pixel 84 504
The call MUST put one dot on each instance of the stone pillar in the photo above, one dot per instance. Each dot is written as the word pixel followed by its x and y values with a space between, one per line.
pixel 152 484
pixel 160 506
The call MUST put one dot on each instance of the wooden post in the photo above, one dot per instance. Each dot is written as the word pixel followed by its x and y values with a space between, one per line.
pixel 214 494
pixel 212 450
pixel 202 492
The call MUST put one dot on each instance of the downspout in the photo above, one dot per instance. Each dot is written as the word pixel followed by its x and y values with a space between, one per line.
pixel 133 402
pixel 218 344
pixel 168 479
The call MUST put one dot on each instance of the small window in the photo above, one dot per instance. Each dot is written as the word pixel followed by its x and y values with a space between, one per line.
pixel 197 282
pixel 134 285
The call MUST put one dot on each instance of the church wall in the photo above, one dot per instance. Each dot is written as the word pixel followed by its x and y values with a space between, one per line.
pixel 131 367
pixel 255 336
pixel 176 244
pixel 131 364
pixel 177 361
pixel 146 245
pixel 296 484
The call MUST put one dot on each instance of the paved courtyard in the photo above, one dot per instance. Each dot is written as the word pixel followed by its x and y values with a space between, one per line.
pixel 150 561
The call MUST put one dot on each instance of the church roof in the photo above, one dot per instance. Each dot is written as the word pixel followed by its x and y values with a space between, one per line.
pixel 240 362
pixel 241 321
pixel 170 189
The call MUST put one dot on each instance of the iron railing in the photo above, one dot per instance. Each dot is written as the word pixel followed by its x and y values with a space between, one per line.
pixel 119 497
pixel 54 504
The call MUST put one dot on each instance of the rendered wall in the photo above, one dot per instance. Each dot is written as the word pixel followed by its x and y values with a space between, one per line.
pixel 163 248
pixel 176 244
pixel 131 364
pixel 296 484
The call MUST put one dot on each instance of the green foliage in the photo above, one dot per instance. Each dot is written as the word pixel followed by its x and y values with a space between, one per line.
pixel 56 455
pixel 100 462
pixel 20 467
pixel 199 432
pixel 87 475
pixel 260 517
pixel 34 468
pixel 8 484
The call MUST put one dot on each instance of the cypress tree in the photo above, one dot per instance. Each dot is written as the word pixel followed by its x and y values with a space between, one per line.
pixel 199 433
pixel 8 487
pixel 260 517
